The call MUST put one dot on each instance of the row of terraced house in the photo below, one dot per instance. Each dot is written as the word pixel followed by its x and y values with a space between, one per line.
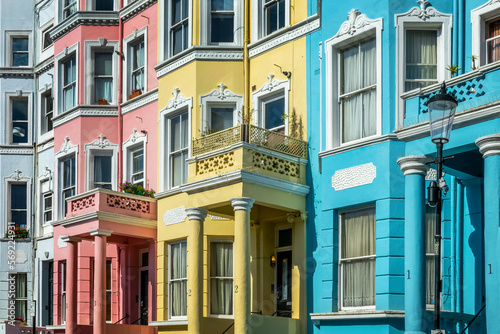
pixel 288 146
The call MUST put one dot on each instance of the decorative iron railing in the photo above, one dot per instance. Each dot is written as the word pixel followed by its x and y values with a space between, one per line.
pixel 251 134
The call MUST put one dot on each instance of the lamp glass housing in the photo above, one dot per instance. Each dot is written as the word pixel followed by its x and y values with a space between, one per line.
pixel 442 108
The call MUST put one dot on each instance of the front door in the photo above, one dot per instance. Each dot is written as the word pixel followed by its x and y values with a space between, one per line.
pixel 284 283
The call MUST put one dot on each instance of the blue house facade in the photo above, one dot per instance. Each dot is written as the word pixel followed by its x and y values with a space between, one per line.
pixel 372 69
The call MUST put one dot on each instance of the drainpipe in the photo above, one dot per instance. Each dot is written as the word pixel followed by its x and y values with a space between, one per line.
pixel 246 63
pixel 120 97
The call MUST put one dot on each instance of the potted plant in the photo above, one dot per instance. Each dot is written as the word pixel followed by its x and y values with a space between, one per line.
pixel 17 233
pixel 136 189
pixel 134 93
pixel 102 101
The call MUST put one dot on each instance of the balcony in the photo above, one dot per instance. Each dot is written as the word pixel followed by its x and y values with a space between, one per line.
pixel 249 148
pixel 478 94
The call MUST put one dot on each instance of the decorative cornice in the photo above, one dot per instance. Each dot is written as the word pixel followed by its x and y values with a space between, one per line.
pixel 489 145
pixel 47 173
pixel 196 213
pixel 102 142
pixel 86 18
pixel 67 146
pixel 149 97
pixel 82 111
pixel 269 86
pixel 355 21
pixel 44 66
pixel 134 136
pixel 26 72
pixel 177 100
pixel 17 176
pixel 284 36
pixel 414 164
pixel 242 203
pixel 423 12
pixel 16 150
pixel 196 53
pixel 135 8
pixel 222 93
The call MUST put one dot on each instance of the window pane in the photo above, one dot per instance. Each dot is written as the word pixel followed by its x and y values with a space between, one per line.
pixel 103 63
pixel 20 110
pixel 69 97
pixel 104 5
pixel 222 5
pixel 177 169
pixel 69 71
pixel 275 110
pixel 221 273
pixel 102 171
pixel 138 161
pixel 421 58
pixel 69 172
pixel 222 118
pixel 104 89
pixel 18 194
pixel 178 275
pixel 358 285
pixel 222 29
pixel 285 237
pixel 138 55
pixel 19 44
pixel 20 59
pixel 177 43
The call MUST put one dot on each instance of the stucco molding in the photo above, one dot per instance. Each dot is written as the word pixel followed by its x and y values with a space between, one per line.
pixel 212 217
pixel 134 8
pixel 84 111
pixel 355 21
pixel 489 145
pixel 101 143
pixel 175 216
pixel 16 150
pixel 92 18
pixel 134 137
pixel 16 72
pixel 44 66
pixel 414 164
pixel 354 176
pixel 145 99
pixel 222 93
pixel 66 147
pixel 18 176
pixel 424 11
pixel 296 31
pixel 177 101
pixel 197 54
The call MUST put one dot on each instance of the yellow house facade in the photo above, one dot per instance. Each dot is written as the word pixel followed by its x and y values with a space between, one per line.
pixel 232 166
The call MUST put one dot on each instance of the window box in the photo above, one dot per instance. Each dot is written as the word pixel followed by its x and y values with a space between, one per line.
pixel 134 94
pixel 102 102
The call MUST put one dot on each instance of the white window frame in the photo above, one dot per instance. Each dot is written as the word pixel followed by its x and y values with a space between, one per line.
pixel 60 59
pixel 220 98
pixel 63 297
pixel 175 106
pixel 16 178
pixel 9 97
pixel 42 93
pixel 430 19
pixel 209 278
pixel 170 317
pixel 340 272
pixel 100 147
pixel 274 88
pixel 67 150
pixel 135 141
pixel 130 41
pixel 166 41
pixel 91 47
pixel 9 36
pixel 258 20
pixel 479 17
pixel 206 25
pixel 347 35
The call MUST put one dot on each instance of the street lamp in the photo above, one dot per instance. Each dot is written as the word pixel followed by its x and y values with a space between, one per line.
pixel 442 108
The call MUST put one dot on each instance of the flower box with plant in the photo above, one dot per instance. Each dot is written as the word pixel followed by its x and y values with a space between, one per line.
pixel 17 233
pixel 136 189
pixel 134 93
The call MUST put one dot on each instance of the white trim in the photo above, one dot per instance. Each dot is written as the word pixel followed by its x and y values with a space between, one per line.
pixel 67 150
pixel 129 41
pixel 175 105
pixel 356 28
pixel 270 90
pixel 100 146
pixel 206 29
pixel 9 97
pixel 479 16
pixel 136 140
pixel 60 59
pixel 9 36
pixel 425 18
pixel 90 48
pixel 79 111
pixel 142 100
pixel 221 97
pixel 17 177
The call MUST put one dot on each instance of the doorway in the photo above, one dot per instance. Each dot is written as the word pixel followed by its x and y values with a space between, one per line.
pixel 284 273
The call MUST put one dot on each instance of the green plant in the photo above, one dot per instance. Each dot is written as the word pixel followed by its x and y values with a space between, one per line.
pixel 473 58
pixel 453 69
pixel 17 233
pixel 136 189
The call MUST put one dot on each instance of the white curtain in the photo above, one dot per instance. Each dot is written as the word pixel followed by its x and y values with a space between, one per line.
pixel 21 296
pixel 178 276
pixel 359 110
pixel 138 66
pixel 421 58
pixel 358 274
pixel 221 278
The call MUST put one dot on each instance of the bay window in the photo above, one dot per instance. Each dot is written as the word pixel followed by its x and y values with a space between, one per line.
pixel 221 278
pixel 177 280
pixel 357 258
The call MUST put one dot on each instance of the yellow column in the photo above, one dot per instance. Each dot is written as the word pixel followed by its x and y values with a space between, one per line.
pixel 196 217
pixel 242 286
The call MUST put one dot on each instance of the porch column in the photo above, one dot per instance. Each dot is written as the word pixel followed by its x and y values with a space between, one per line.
pixel 242 286
pixel 71 282
pixel 489 146
pixel 100 279
pixel 415 169
pixel 196 217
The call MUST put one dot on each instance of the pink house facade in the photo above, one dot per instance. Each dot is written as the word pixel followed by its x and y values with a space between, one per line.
pixel 105 130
